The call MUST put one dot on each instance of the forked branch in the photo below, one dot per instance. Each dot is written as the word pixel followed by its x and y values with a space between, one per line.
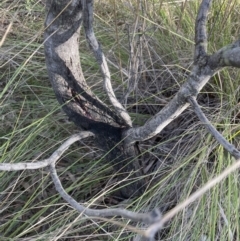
pixel 154 218
pixel 203 69
pixel 50 162
pixel 88 112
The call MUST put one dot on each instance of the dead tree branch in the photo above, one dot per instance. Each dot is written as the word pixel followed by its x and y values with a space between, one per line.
pixel 218 136
pixel 154 218
pixel 205 66
pixel 112 129
pixel 50 162
pixel 149 218
pixel 31 165
pixel 61 45
pixel 100 57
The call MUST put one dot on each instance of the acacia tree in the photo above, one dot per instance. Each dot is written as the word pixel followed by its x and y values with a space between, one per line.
pixel 111 126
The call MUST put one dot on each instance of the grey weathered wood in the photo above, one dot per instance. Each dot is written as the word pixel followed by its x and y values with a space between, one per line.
pixel 218 136
pixel 112 132
pixel 61 41
pixel 205 66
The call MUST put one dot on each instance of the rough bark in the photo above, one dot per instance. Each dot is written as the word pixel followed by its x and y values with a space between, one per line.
pixel 61 36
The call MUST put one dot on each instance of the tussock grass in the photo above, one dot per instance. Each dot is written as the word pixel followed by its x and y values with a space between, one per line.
pixel 179 160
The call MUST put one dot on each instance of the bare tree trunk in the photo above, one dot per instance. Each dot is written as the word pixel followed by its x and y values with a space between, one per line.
pixel 61 36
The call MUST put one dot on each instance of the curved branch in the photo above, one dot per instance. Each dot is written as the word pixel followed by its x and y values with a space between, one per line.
pixel 201 30
pixel 93 43
pixel 151 217
pixel 52 159
pixel 204 68
pixel 228 146
pixel 61 43
pixel 82 107
pixel 173 109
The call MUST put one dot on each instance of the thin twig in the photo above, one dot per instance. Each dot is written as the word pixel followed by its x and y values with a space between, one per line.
pixel 101 60
pixel 52 159
pixel 5 34
pixel 218 136
pixel 135 64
